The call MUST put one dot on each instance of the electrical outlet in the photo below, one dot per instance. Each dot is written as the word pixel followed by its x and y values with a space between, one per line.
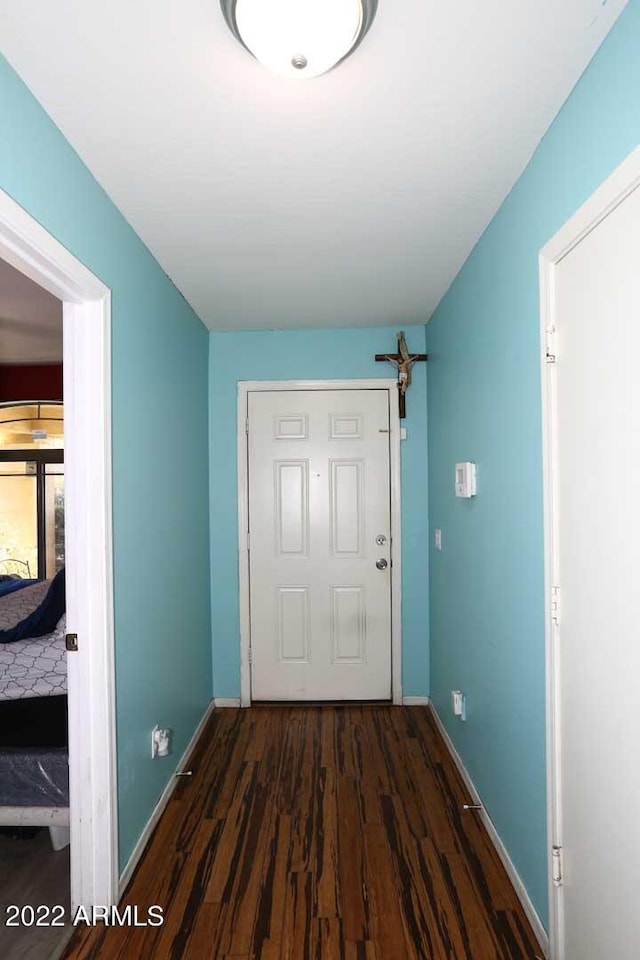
pixel 160 742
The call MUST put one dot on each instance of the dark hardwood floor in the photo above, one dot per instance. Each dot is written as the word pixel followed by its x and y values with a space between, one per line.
pixel 319 832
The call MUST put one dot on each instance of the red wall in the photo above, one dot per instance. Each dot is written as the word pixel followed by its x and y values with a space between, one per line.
pixel 41 381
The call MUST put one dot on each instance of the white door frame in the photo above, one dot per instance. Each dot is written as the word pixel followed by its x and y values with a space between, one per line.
pixel 612 192
pixel 28 247
pixel 249 386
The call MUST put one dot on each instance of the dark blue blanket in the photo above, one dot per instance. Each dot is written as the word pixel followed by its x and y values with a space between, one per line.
pixel 44 618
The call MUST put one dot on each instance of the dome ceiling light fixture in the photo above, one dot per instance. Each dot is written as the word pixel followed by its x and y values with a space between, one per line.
pixel 299 38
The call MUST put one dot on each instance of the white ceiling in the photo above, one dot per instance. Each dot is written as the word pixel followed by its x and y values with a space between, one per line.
pixel 30 320
pixel 352 199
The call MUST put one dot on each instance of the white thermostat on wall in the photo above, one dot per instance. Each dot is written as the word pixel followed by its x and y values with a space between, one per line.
pixel 465 479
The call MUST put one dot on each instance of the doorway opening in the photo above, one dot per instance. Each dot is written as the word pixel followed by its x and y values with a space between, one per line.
pixel 92 806
pixel 34 781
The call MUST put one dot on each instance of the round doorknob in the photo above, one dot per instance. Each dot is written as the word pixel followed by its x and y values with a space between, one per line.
pixel 381 564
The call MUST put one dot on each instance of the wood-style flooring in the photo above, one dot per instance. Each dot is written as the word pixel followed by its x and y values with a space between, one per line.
pixel 319 833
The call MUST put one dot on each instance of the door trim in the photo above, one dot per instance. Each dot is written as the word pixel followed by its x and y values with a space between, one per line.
pixel 28 247
pixel 623 181
pixel 250 386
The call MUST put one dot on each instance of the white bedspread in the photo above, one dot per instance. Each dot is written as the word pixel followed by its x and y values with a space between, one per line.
pixel 34 668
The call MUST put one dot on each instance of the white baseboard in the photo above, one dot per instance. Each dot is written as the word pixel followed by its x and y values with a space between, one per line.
pixel 501 850
pixel 139 848
pixel 226 701
pixel 415 701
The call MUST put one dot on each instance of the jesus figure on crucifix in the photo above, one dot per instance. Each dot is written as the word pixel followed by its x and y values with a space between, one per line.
pixel 403 361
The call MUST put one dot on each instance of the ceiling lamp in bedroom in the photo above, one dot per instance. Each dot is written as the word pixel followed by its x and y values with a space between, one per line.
pixel 299 38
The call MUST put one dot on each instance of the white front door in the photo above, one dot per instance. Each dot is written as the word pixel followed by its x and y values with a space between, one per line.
pixel 596 470
pixel 319 545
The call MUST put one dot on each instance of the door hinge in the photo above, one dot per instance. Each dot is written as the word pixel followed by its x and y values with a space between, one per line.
pixel 71 642
pixel 555 605
pixel 246 426
pixel 250 655
pixel 248 540
pixel 556 866
pixel 551 345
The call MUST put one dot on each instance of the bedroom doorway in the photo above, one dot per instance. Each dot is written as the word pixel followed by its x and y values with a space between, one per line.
pixel 26 246
pixel 34 802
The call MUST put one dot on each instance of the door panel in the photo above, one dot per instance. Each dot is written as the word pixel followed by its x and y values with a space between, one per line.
pixel 597 515
pixel 348 630
pixel 292 508
pixel 318 497
pixel 346 507
pixel 293 624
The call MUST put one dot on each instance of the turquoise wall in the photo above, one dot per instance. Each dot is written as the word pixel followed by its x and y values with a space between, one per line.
pixel 160 461
pixel 487 604
pixel 312 355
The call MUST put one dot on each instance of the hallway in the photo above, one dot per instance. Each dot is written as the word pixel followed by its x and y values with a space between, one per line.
pixel 319 832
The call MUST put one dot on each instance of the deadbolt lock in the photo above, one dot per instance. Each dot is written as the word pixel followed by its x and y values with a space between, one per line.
pixel 381 539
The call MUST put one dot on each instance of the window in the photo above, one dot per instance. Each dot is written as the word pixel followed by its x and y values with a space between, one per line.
pixel 31 489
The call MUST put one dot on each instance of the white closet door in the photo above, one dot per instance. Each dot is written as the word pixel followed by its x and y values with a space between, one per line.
pixel 597 475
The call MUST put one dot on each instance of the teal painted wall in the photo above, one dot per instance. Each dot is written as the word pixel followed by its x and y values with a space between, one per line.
pixel 487 615
pixel 312 355
pixel 160 459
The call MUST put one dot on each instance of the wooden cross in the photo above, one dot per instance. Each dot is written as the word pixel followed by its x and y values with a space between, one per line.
pixel 403 361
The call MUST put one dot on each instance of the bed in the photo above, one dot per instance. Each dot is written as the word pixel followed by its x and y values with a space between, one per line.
pixel 34 775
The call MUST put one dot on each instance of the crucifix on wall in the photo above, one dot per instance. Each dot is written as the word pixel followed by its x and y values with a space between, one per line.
pixel 403 361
